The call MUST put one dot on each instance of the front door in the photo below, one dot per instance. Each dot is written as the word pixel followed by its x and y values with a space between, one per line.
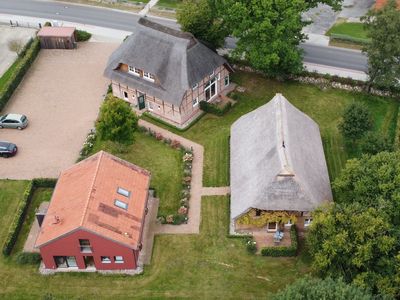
pixel 89 261
pixel 210 89
pixel 141 101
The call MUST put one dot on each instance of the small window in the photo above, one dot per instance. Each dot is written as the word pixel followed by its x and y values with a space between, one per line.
pixel 272 226
pixel 195 101
pixel 105 260
pixel 258 212
pixel 125 95
pixel 131 69
pixel 195 86
pixel 119 259
pixel 307 221
pixel 226 80
pixel 123 192
pixel 121 204
pixel 148 76
pixel 136 72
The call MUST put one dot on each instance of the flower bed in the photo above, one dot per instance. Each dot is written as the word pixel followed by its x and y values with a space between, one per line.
pixel 181 216
pixel 87 145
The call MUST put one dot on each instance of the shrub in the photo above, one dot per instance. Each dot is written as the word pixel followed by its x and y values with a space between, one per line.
pixel 82 36
pixel 375 142
pixel 180 219
pixel 28 258
pixel 251 246
pixel 357 120
pixel 282 250
pixel 27 56
pixel 214 109
pixel 22 209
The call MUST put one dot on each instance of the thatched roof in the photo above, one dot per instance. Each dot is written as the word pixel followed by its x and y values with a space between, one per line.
pixel 277 160
pixel 176 58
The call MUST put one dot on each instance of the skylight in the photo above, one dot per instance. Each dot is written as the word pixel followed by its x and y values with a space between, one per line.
pixel 121 204
pixel 123 192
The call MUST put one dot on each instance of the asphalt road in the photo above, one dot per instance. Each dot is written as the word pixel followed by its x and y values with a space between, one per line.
pixel 327 56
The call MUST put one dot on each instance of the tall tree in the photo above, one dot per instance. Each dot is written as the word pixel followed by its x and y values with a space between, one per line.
pixel 355 243
pixel 328 289
pixel 357 120
pixel 202 18
pixel 383 27
pixel 117 122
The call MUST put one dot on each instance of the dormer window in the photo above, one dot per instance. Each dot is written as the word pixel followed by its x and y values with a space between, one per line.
pixel 134 71
pixel 148 76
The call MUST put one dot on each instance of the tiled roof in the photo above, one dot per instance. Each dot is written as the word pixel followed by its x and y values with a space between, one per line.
pixel 51 31
pixel 84 198
pixel 381 3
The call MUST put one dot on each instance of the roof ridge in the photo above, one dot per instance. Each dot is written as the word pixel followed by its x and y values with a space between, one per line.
pixel 101 153
pixel 281 117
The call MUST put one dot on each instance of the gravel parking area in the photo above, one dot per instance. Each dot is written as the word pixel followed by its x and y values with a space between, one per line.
pixel 7 34
pixel 61 95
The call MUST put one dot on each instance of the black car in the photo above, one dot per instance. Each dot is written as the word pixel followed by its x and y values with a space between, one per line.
pixel 7 149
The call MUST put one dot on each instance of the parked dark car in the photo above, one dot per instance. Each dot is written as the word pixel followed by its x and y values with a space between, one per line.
pixel 7 149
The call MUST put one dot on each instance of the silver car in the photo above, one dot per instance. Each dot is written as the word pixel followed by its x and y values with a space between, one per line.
pixel 13 121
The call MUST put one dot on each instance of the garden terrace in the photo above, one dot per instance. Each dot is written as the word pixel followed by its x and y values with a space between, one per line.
pixel 324 106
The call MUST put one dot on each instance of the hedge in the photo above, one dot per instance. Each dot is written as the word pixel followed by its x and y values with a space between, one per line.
pixel 348 38
pixel 23 62
pixel 282 250
pixel 28 258
pixel 215 109
pixel 82 36
pixel 19 218
pixel 157 121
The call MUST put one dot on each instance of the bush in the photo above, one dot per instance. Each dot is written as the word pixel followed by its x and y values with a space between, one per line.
pixel 348 38
pixel 214 109
pixel 22 209
pixel 375 142
pixel 251 246
pixel 27 56
pixel 82 36
pixel 282 250
pixel 28 258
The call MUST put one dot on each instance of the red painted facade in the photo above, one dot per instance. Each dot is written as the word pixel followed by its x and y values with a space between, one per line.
pixel 68 245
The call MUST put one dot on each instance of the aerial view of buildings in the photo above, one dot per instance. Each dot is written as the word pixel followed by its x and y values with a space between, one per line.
pixel 199 149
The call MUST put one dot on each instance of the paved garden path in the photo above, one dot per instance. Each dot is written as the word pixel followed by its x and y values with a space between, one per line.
pixel 197 190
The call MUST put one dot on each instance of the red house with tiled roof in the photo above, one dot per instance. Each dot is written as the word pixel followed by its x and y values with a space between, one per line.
pixel 96 216
pixel 381 3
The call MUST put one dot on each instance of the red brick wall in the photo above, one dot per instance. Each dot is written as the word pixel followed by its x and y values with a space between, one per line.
pixel 69 246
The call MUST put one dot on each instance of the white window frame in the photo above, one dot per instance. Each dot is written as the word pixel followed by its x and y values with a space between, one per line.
pixel 150 105
pixel 118 259
pixel 272 229
pixel 219 76
pixel 195 101
pixel 195 86
pixel 148 76
pixel 289 223
pixel 307 221
pixel 131 69
pixel 208 86
pixel 212 73
pixel 225 80
pixel 137 72
pixel 105 259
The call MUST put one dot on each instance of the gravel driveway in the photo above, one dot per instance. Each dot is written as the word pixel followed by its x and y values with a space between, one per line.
pixel 61 95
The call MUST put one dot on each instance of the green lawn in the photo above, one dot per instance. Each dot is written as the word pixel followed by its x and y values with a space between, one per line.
pixel 324 106
pixel 40 195
pixel 173 4
pixel 355 30
pixel 164 163
pixel 209 265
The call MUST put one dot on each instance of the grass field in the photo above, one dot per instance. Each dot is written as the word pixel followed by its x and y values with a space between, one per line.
pixel 204 266
pixel 355 30
pixel 164 163
pixel 324 106
pixel 173 4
